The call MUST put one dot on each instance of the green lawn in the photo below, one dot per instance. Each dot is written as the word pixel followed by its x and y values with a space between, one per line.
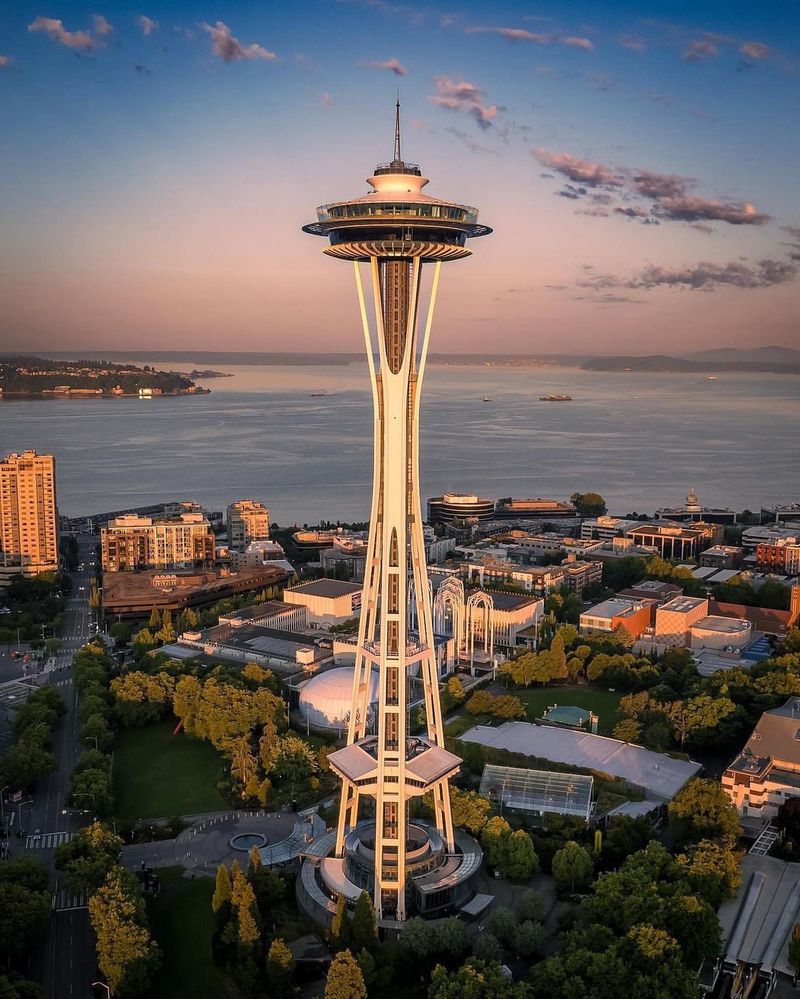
pixel 158 774
pixel 604 703
pixel 182 922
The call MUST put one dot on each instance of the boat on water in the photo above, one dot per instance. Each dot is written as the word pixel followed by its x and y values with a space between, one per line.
pixel 557 397
pixel 711 378
pixel 317 395
pixel 486 398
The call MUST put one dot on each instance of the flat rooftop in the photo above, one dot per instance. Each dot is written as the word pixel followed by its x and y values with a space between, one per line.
pixel 330 588
pixel 723 625
pixel 683 605
pixel 614 607
pixel 661 777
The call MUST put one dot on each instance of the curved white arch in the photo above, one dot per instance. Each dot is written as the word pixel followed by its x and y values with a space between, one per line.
pixel 448 611
pixel 480 623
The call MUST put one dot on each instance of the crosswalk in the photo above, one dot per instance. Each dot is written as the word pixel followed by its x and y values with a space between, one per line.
pixel 63 900
pixel 47 841
pixel 63 683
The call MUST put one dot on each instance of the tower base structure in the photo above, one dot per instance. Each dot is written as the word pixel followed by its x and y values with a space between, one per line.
pixel 437 880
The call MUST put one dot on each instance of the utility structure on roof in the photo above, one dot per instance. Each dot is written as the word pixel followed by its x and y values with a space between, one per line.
pixel 395 230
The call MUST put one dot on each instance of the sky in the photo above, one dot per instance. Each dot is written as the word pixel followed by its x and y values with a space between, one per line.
pixel 638 164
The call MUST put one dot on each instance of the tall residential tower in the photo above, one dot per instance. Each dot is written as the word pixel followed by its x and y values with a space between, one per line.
pixel 28 514
pixel 395 230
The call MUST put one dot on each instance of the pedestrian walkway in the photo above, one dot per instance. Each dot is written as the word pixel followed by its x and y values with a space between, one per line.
pixel 63 900
pixel 766 840
pixel 47 841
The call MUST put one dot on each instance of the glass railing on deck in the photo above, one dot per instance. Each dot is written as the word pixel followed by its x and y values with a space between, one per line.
pixel 447 213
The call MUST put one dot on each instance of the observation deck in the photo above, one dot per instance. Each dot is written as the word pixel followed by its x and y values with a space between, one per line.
pixel 396 220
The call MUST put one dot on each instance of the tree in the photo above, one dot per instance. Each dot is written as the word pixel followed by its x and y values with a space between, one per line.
pixel 628 730
pixel 520 861
pixel 345 980
pixel 294 760
pixel 154 622
pixel 88 858
pixel 712 871
pixel 475 979
pixel 280 965
pixel 455 688
pixel 243 902
pixel 222 889
pixel 486 947
pixel 126 953
pixel 470 810
pixel 369 967
pixel 572 867
pixel 558 659
pixel 702 810
pixel 340 927
pixel 588 504
pixel 24 914
pixel 530 905
pixel 493 840
pixel 794 947
pixel 364 928
pixel 503 925
pixel 527 938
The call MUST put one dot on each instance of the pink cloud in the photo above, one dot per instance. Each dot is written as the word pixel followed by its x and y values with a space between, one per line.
pixel 390 65
pixel 460 95
pixel 230 49
pixel 577 43
pixel 581 171
pixel 54 28
pixel 147 24
pixel 754 50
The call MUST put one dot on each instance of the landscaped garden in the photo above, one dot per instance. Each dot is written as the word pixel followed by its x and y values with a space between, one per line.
pixel 604 703
pixel 158 774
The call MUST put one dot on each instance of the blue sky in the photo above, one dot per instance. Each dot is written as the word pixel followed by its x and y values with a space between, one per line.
pixel 638 165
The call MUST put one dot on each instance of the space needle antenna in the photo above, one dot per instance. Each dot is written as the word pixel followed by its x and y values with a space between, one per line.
pixel 397 157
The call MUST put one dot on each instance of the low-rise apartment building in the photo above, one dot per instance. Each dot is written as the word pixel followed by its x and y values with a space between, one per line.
pixel 131 542
pixel 539 579
pixel 722 557
pixel 782 556
pixel 767 771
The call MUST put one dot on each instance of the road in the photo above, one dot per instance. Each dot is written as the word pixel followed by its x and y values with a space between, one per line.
pixel 65 959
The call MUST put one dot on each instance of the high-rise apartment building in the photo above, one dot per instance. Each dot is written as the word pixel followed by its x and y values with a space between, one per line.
pixel 248 521
pixel 132 542
pixel 28 514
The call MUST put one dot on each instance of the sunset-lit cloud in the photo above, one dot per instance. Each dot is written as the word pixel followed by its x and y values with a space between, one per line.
pixel 703 276
pixel 102 27
pixel 701 50
pixel 5 61
pixel 538 37
pixel 460 95
pixel 326 100
pixel 754 50
pixel 230 49
pixel 632 42
pixel 583 171
pixel 390 65
pixel 693 209
pixel 147 24
pixel 54 28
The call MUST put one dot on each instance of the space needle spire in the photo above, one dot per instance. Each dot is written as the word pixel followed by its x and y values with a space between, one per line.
pixel 394 233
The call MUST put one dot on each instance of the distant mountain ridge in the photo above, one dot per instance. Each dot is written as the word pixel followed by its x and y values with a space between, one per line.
pixel 759 355
pixel 725 359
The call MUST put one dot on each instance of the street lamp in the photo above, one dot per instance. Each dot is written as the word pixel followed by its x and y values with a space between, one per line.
pixel 86 794
pixel 103 986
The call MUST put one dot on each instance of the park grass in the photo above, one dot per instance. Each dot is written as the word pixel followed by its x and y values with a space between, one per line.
pixel 604 703
pixel 159 775
pixel 182 922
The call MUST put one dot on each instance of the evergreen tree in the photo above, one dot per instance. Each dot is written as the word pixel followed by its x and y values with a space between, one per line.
pixel 572 867
pixel 155 619
pixel 280 965
pixel 340 928
pixel 364 928
pixel 222 890
pixel 345 980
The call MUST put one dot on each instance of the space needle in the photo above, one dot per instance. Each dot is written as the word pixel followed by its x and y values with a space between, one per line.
pixel 407 865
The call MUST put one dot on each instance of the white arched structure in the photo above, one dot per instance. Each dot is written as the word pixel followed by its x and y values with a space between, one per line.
pixel 480 625
pixel 448 612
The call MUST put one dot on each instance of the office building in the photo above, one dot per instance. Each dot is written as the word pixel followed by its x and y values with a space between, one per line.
pixel 673 540
pixel 402 234
pixel 722 557
pixel 652 589
pixel 606 528
pixel 676 617
pixel 533 509
pixel 28 514
pixel 459 508
pixel 632 615
pixel 490 571
pixel 693 510
pixel 247 521
pixel 131 542
pixel 780 512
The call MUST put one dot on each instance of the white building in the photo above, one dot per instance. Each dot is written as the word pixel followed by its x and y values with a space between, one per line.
pixel 248 521
pixel 606 528
pixel 328 601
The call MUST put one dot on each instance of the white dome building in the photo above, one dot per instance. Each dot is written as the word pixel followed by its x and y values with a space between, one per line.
pixel 325 700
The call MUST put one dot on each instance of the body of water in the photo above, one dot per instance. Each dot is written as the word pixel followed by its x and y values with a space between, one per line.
pixel 639 439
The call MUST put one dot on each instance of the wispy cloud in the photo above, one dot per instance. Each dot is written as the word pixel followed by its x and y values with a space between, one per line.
pixel 632 42
pixel 389 65
pixel 582 171
pixel 538 37
pixel 147 24
pixel 141 70
pixel 473 145
pixel 326 100
pixel 754 50
pixel 700 51
pixel 669 195
pixel 230 49
pixel 460 95
pixel 704 276
pixel 54 28
pixel 794 242
pixel 102 27
pixel 5 61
